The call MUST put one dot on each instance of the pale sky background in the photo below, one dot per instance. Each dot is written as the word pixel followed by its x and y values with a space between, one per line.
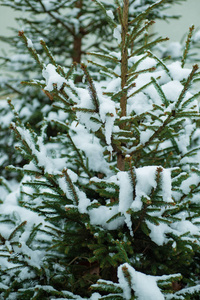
pixel 190 11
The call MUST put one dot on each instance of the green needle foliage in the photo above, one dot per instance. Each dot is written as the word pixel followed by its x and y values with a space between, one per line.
pixel 108 206
pixel 71 29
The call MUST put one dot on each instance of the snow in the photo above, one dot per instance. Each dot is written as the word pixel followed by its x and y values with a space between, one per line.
pixel 124 283
pixel 100 216
pixel 125 197
pixel 125 192
pixel 145 135
pixel 117 33
pixel 73 176
pixel 49 4
pixel 196 36
pixel 190 290
pixel 51 165
pixel 8 117
pixel 166 185
pixel 177 72
pixel 192 179
pixel 3 286
pixel 91 147
pixel 56 115
pixel 113 85
pixel 95 296
pixel 172 90
pixel 108 114
pixel 65 187
pixel 85 99
pixel 185 226
pixel 158 232
pixel 52 77
pixel 84 202
pixel 145 181
pixel 110 14
pixel 145 62
pixel 174 50
pixel 140 104
pixel 29 43
pixel 144 286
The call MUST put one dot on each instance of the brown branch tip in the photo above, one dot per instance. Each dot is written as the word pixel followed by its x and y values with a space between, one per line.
pixel 21 33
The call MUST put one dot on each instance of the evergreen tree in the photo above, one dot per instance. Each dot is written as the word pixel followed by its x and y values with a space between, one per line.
pixel 71 28
pixel 108 208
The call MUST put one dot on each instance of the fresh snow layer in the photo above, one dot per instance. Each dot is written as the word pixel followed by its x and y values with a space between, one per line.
pixel 92 148
pixel 144 286
pixel 145 182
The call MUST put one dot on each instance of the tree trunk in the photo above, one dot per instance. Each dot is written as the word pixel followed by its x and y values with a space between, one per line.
pixel 124 72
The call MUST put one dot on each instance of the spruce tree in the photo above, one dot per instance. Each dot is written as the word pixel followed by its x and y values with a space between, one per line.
pixel 71 28
pixel 108 208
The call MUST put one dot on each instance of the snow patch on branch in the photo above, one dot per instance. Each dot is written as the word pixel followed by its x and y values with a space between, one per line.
pixel 144 286
pixel 125 197
pixel 145 181
pixel 117 33
pixel 52 78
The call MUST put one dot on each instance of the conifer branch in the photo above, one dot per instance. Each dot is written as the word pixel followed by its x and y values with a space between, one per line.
pixel 188 101
pixel 104 68
pixel 104 57
pixel 154 135
pixel 160 62
pixel 71 69
pixel 109 19
pixel 146 12
pixel 123 92
pixel 140 89
pixel 186 85
pixel 52 60
pixel 136 33
pixel 32 7
pixel 4 182
pixel 160 92
pixel 92 89
pixel 127 275
pixel 31 49
pixel 148 46
pixel 71 186
pixel 19 227
pixel 137 63
pixel 14 89
pixel 187 46
pixel 136 73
